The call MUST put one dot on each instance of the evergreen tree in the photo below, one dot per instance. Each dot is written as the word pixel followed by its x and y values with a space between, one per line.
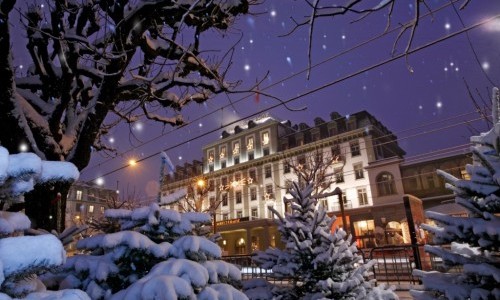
pixel 474 239
pixel 22 258
pixel 317 262
pixel 155 254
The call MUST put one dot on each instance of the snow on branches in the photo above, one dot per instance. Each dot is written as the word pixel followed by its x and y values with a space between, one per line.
pixel 475 238
pixel 317 262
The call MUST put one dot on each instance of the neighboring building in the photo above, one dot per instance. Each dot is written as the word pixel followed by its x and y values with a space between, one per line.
pixel 421 180
pixel 246 171
pixel 87 201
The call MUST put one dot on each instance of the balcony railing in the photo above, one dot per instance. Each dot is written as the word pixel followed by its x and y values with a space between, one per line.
pixel 336 206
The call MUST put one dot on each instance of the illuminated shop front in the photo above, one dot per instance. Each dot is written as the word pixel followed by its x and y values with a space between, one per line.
pixel 243 236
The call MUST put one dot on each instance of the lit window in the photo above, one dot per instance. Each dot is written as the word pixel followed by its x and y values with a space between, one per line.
pixel 78 195
pixel 102 209
pixel 91 208
pixel 358 171
pixel 252 174
pixel 336 150
pixel 253 194
pixel 355 151
pixel 265 138
pixel 236 148
pixel 362 197
pixel 211 157
pixel 237 177
pixel 250 143
pixel 385 184
pixel 339 175
pixel 286 167
pixel 464 174
pixel 268 171
pixel 223 151
pixel 269 192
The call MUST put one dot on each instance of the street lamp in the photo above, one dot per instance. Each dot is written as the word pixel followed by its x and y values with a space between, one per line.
pixel 200 183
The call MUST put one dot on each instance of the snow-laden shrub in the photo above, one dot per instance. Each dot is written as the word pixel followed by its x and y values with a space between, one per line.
pixel 154 255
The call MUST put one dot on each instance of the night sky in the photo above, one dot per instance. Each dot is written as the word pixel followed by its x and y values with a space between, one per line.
pixel 429 109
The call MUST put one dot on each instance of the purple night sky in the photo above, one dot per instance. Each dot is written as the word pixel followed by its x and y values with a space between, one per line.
pixel 428 109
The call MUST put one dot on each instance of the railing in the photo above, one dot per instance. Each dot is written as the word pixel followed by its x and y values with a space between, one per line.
pixel 249 269
pixel 394 264
pixel 336 207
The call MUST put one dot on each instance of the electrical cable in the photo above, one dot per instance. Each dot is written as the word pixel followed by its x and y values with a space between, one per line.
pixel 314 90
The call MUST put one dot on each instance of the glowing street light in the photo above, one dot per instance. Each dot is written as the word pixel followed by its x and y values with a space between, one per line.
pixel 200 183
pixel 132 162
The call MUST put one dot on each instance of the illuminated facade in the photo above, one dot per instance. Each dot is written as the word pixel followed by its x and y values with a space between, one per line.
pixel 246 171
pixel 86 201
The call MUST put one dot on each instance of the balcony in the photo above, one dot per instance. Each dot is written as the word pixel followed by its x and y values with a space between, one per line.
pixel 336 206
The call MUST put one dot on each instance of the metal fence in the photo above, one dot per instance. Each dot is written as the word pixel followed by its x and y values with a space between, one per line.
pixel 394 264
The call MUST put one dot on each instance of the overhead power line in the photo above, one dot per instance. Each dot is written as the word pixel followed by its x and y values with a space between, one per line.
pixel 324 86
pixel 337 55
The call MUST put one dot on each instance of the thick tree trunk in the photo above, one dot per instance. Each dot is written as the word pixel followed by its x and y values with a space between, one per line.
pixel 46 206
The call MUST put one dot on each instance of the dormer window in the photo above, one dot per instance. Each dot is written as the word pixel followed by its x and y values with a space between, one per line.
pixel 223 151
pixel 265 138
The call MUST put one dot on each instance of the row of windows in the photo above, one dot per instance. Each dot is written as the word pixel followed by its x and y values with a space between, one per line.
pixel 236 148
pixel 238 196
pixel 254 213
pixel 87 208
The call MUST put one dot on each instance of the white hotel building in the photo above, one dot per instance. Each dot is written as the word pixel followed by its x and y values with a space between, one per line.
pixel 246 170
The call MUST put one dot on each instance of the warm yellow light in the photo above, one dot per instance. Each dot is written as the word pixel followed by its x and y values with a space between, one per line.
pixel 132 162
pixel 200 183
pixel 235 183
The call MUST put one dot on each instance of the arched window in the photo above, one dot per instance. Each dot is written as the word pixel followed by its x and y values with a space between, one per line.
pixel 385 184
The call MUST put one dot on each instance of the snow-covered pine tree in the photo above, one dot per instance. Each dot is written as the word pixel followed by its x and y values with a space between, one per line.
pixel 23 257
pixel 317 262
pixel 474 239
pixel 154 255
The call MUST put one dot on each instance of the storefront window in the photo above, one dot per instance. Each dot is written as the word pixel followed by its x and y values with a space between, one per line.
pixel 364 231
